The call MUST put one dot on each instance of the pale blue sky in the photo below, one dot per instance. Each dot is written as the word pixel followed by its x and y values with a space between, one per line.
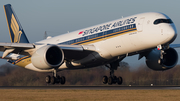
pixel 60 16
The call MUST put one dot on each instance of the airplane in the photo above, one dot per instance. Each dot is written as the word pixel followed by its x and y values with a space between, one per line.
pixel 148 34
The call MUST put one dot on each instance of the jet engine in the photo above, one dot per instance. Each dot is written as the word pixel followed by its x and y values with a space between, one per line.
pixel 162 60
pixel 48 57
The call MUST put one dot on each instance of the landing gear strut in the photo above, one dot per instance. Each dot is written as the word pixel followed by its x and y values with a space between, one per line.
pixel 112 78
pixel 55 78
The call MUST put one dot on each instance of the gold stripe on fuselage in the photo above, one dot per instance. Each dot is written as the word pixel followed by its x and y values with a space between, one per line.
pixel 22 62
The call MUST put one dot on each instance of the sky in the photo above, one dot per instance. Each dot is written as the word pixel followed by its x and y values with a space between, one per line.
pixel 60 16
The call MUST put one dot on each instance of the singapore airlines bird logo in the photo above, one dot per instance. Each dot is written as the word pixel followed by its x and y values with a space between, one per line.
pixel 15 29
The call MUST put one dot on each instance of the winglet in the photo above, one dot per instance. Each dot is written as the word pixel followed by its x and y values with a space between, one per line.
pixel 16 31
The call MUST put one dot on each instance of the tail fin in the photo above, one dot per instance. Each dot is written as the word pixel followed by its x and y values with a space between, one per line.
pixel 16 31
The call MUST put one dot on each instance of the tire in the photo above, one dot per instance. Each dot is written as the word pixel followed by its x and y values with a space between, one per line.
pixel 63 80
pixel 48 79
pixel 105 79
pixel 119 80
pixel 110 80
pixel 53 80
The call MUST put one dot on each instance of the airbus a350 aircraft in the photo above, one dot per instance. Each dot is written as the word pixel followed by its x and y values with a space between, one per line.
pixel 147 34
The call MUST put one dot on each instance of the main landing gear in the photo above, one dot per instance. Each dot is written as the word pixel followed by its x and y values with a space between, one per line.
pixel 112 78
pixel 55 79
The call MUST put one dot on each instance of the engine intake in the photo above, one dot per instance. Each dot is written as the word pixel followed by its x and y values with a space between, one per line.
pixel 48 57
pixel 170 58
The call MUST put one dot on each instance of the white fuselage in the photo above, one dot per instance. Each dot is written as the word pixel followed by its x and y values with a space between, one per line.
pixel 115 38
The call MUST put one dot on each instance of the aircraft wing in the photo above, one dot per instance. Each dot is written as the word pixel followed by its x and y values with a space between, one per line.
pixel 77 47
pixel 70 51
pixel 4 46
pixel 174 45
pixel 76 52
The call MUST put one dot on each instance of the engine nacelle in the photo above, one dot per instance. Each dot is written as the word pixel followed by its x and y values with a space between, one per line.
pixel 48 57
pixel 154 61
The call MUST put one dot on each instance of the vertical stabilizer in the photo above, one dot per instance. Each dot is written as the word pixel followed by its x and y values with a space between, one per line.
pixel 16 31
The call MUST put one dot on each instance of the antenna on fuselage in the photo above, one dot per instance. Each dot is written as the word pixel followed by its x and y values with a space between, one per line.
pixel 45 35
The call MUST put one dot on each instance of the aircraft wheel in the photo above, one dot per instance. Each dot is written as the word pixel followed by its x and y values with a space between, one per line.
pixel 48 79
pixel 110 80
pixel 58 79
pixel 63 80
pixel 119 80
pixel 105 79
pixel 53 80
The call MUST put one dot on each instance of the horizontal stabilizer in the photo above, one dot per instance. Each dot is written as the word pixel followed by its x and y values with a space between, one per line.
pixel 174 45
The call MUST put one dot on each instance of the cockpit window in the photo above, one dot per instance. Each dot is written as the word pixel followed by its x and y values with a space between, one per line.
pixel 158 21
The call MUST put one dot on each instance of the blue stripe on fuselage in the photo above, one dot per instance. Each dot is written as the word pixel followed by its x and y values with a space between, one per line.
pixel 101 35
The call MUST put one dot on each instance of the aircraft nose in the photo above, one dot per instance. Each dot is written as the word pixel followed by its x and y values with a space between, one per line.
pixel 172 33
